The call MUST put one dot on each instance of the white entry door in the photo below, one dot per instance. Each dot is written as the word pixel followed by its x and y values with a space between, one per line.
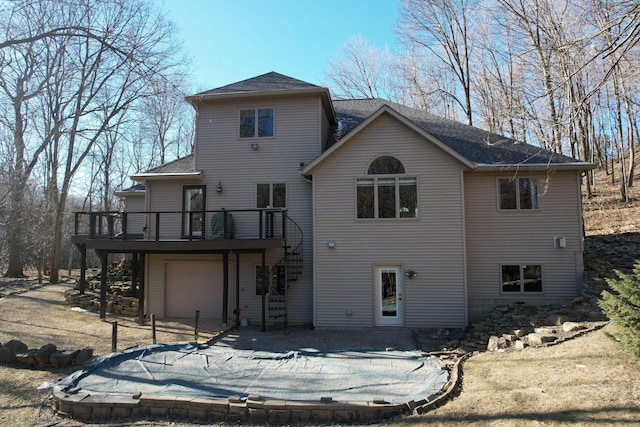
pixel 389 304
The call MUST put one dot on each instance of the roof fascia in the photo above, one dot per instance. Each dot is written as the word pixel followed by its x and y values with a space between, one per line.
pixel 488 167
pixel 140 177
pixel 407 122
pixel 129 193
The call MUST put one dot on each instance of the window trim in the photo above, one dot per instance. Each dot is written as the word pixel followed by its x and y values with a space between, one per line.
pixel 521 268
pixel 518 208
pixel 270 205
pixel 256 122
pixel 398 174
pixel 397 181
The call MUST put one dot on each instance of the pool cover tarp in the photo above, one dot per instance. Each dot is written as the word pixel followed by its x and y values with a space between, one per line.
pixel 304 375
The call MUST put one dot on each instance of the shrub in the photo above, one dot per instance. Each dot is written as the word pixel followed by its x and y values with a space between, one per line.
pixel 622 306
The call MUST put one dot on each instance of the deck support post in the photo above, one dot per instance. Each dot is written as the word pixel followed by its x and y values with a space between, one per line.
pixel 140 276
pixel 225 287
pixel 82 281
pixel 237 290
pixel 104 256
pixel 134 274
pixel 264 291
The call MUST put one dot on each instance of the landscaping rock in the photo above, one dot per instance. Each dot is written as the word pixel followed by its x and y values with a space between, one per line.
pixel 540 339
pixel 84 354
pixel 492 345
pixel 572 326
pixel 6 355
pixel 43 354
pixel 61 359
pixel 16 346
pixel 27 358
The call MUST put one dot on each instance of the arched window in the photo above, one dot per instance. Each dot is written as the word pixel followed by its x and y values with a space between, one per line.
pixel 386 192
pixel 386 165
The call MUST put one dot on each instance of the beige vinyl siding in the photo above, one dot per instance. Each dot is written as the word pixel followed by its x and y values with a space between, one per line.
pixel 432 244
pixel 135 221
pixel 156 280
pixel 250 303
pixel 324 127
pixel 229 160
pixel 519 237
pixel 166 197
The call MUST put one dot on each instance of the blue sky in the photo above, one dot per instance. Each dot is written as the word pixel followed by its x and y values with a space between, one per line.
pixel 231 40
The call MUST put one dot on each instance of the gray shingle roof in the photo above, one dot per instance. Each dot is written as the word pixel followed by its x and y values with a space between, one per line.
pixel 181 165
pixel 269 82
pixel 477 145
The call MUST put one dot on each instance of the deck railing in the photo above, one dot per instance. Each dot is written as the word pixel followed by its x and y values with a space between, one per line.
pixel 183 225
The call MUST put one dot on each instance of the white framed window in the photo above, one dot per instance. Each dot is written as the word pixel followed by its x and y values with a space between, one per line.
pixel 521 278
pixel 272 195
pixel 257 123
pixel 517 193
pixel 386 192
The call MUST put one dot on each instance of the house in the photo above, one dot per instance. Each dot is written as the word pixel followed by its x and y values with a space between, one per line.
pixel 297 208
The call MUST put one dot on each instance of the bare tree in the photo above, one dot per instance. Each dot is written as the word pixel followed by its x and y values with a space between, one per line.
pixel 90 82
pixel 166 121
pixel 442 27
pixel 23 78
pixel 362 71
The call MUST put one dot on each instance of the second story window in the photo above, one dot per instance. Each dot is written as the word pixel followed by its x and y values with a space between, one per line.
pixel 271 195
pixel 387 192
pixel 518 193
pixel 256 123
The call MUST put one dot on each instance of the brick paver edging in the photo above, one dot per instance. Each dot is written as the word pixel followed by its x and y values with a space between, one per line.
pixel 85 406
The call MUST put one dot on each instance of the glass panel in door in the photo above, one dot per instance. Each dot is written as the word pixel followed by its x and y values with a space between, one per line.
pixel 193 203
pixel 388 296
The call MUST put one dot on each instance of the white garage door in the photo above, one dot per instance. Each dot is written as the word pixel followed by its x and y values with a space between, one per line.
pixel 191 286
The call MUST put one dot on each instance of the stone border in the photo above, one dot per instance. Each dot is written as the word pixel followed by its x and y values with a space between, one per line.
pixel 77 404
pixel 580 332
pixel 85 406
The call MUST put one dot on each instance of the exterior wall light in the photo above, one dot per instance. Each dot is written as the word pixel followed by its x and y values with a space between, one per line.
pixel 255 147
pixel 331 244
pixel 219 187
pixel 410 274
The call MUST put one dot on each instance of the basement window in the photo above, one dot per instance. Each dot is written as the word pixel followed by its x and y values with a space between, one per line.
pixel 522 278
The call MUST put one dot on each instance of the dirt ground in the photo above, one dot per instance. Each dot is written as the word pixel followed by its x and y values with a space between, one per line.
pixel 583 382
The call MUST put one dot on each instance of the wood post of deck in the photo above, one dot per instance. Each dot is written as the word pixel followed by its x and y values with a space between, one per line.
pixel 82 281
pixel 237 290
pixel 264 291
pixel 134 274
pixel 104 256
pixel 225 287
pixel 140 276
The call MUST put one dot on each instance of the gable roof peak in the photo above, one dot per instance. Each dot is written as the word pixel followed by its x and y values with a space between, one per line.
pixel 268 82
pixel 265 85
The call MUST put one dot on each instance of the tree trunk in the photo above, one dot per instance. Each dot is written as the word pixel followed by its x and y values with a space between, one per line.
pixel 56 250
pixel 15 267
